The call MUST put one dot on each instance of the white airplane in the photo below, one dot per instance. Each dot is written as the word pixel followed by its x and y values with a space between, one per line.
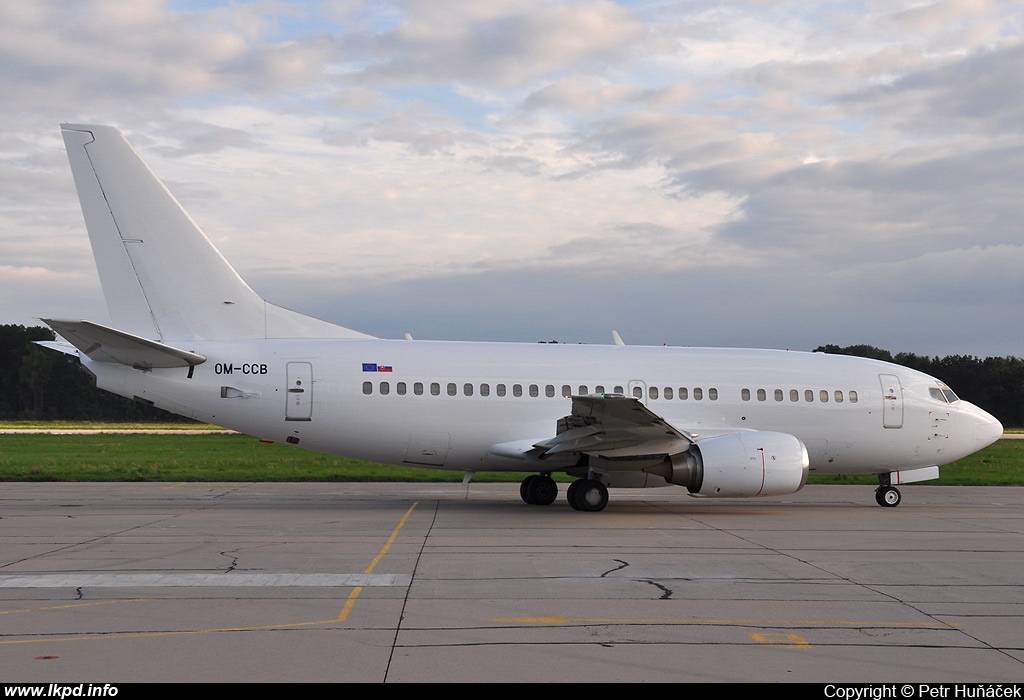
pixel 188 335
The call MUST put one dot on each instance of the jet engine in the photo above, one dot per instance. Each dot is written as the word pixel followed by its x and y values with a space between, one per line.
pixel 756 463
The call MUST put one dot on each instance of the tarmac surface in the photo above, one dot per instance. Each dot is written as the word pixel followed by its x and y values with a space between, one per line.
pixel 378 583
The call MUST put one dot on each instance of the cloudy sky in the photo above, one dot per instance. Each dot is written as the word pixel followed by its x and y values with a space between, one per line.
pixel 767 174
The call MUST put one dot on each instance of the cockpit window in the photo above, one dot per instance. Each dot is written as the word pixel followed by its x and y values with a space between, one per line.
pixel 943 394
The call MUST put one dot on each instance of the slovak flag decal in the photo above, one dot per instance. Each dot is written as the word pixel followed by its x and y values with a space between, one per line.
pixel 374 367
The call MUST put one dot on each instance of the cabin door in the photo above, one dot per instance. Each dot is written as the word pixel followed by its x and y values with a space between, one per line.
pixel 300 391
pixel 892 401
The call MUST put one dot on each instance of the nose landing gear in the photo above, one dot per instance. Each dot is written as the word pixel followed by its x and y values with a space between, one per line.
pixel 888 496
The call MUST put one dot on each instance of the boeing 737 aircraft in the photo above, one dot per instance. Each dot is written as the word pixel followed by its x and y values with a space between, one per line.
pixel 187 334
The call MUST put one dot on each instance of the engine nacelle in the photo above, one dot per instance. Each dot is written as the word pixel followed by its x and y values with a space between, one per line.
pixel 756 463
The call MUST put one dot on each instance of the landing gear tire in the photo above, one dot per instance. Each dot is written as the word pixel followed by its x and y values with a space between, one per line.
pixel 888 496
pixel 570 493
pixel 588 495
pixel 538 490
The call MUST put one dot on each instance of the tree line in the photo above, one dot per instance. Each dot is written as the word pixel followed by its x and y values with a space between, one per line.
pixel 995 384
pixel 39 384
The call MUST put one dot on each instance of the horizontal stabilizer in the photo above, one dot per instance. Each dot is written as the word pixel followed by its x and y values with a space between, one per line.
pixel 104 344
pixel 59 346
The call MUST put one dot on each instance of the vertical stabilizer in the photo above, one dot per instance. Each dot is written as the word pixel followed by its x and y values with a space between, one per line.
pixel 161 276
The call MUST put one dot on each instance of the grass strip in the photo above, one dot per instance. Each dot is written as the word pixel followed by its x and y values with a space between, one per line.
pixel 134 457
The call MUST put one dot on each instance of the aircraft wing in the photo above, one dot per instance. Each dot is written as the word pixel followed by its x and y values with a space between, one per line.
pixel 104 344
pixel 614 426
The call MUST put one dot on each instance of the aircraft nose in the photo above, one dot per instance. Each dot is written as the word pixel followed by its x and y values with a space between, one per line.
pixel 986 428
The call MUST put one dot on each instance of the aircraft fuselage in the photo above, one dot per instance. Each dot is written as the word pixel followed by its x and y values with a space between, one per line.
pixel 445 404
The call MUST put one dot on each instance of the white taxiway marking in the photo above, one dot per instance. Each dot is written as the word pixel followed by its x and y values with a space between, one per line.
pixel 191 580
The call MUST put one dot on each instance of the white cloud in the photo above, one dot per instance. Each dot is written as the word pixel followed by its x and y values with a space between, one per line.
pixel 501 43
pixel 699 173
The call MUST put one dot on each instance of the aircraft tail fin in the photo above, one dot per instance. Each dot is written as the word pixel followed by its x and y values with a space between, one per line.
pixel 162 277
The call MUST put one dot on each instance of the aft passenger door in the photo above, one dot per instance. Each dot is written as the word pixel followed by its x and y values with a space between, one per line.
pixel 299 404
pixel 892 401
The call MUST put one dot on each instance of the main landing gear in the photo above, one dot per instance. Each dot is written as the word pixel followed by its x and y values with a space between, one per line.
pixel 583 494
pixel 587 495
pixel 538 490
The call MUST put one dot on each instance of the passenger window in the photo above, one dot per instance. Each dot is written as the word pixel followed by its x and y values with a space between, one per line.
pixel 713 394
pixel 839 396
pixel 500 390
pixel 598 389
pixel 638 393
pixel 583 390
pixel 808 396
pixel 517 389
pixel 853 396
pixel 385 388
pixel 618 390
pixel 761 395
pixel 824 395
pixel 683 393
pixel 452 389
pixel 534 391
pixel 745 394
pixel 794 395
pixel 400 388
pixel 367 388
pixel 698 394
pixel 668 393
pixel 566 390
pixel 549 391
pixel 467 389
pixel 485 390
pixel 417 388
pixel 778 395
pixel 652 393
pixel 435 389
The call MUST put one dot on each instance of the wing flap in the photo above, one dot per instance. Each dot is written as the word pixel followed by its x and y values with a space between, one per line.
pixel 614 426
pixel 589 438
pixel 104 344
